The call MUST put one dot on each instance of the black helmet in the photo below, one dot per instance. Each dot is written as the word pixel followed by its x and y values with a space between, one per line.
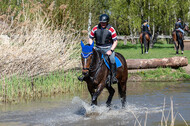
pixel 104 18
pixel 179 19
pixel 145 21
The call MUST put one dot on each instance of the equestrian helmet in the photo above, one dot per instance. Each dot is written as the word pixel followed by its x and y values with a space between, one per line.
pixel 104 18
pixel 179 19
pixel 145 21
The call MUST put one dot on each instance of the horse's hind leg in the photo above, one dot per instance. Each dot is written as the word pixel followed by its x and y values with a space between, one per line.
pixel 145 47
pixel 111 93
pixel 142 48
pixel 122 92
pixel 182 46
pixel 148 45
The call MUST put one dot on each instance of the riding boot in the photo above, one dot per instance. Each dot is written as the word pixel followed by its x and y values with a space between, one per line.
pixel 113 70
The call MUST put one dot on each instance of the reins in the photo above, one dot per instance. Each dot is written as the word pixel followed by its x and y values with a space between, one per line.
pixel 97 69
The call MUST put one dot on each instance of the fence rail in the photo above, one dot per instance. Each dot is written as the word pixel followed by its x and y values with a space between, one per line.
pixel 158 37
pixel 135 39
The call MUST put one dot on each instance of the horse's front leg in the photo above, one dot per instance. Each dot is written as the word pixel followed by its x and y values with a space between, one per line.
pixel 96 94
pixel 92 92
pixel 111 93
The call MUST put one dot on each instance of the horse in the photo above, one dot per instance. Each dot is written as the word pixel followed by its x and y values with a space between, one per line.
pixel 96 74
pixel 144 39
pixel 177 37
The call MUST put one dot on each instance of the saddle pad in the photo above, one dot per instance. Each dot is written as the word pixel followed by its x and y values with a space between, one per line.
pixel 117 61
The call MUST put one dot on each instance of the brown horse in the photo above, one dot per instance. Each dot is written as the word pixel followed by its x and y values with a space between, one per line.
pixel 144 39
pixel 178 38
pixel 96 74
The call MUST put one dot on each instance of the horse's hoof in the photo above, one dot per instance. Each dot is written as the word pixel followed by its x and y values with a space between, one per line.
pixel 181 52
pixel 108 105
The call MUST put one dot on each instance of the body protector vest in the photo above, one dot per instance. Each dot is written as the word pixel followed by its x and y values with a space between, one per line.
pixel 145 28
pixel 177 25
pixel 103 37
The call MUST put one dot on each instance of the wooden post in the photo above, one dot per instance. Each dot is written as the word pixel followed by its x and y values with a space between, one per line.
pixel 186 44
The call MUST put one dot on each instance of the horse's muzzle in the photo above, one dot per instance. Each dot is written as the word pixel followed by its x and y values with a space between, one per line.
pixel 85 71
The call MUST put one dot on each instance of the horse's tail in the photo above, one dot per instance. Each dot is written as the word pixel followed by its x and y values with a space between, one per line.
pixel 143 37
pixel 180 40
pixel 144 40
pixel 178 37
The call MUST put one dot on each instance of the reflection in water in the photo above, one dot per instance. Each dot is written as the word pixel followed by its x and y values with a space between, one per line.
pixel 143 100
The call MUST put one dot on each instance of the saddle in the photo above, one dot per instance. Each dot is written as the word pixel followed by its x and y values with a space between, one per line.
pixel 106 61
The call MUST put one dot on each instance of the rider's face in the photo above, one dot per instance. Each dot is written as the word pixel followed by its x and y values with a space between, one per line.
pixel 103 24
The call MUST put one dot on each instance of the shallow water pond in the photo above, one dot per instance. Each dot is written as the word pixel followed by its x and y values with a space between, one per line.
pixel 148 103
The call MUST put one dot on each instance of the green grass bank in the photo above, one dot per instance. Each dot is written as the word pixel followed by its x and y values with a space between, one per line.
pixel 160 50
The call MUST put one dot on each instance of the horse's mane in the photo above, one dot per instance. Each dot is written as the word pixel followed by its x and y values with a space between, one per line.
pixel 95 57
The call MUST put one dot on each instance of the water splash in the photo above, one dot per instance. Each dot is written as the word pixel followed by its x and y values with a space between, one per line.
pixel 115 111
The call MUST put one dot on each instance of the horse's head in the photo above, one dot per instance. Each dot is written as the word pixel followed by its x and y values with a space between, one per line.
pixel 86 57
pixel 186 27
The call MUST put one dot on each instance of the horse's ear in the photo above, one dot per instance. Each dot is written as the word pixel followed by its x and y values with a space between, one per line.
pixel 82 44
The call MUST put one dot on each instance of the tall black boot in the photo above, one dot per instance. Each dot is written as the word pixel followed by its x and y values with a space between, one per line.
pixel 113 70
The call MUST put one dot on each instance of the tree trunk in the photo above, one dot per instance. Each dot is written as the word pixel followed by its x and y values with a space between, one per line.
pixel 174 62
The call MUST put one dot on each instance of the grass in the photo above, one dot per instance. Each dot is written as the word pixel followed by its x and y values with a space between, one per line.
pixel 17 89
pixel 160 50
pixel 164 74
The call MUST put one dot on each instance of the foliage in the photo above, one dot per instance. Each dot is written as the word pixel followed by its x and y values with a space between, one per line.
pixel 126 15
pixel 162 14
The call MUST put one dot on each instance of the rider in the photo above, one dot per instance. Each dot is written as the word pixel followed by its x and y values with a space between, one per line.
pixel 146 28
pixel 179 27
pixel 106 41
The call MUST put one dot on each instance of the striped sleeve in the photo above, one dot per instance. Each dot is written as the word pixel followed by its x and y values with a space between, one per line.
pixel 93 32
pixel 113 34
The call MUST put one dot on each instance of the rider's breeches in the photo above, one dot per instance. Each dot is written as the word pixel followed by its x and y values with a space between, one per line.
pixel 104 50
pixel 181 30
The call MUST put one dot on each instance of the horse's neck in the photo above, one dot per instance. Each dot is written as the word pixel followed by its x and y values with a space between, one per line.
pixel 96 58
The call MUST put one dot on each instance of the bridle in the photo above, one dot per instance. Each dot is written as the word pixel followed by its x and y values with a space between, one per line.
pixel 91 69
pixel 85 57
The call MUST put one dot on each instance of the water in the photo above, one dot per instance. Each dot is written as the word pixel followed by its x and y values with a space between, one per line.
pixel 145 104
